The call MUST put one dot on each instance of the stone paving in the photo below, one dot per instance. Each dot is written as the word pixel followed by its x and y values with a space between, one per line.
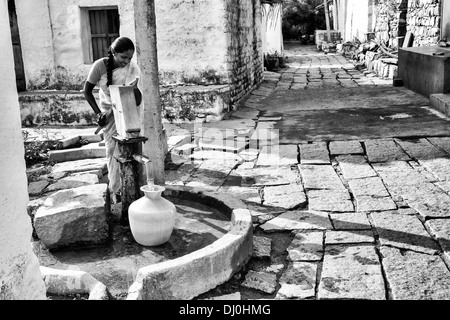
pixel 354 219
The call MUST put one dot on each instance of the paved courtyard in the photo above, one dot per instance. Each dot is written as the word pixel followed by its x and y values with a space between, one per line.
pixel 352 200
pixel 347 179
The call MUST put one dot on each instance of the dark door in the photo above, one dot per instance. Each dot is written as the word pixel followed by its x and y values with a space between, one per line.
pixel 18 62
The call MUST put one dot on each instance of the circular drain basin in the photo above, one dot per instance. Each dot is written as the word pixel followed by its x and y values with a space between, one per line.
pixel 209 228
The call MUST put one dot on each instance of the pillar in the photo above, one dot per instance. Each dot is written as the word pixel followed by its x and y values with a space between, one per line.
pixel 20 277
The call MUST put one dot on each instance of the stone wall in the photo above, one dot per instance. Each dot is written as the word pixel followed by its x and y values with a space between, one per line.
pixel 244 53
pixel 396 17
pixel 180 104
pixel 391 21
pixel 424 21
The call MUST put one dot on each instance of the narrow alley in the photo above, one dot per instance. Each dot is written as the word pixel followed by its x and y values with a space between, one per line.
pixel 354 202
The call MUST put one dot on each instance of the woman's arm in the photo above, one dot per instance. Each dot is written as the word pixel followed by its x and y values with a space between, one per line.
pixel 137 92
pixel 87 91
pixel 138 96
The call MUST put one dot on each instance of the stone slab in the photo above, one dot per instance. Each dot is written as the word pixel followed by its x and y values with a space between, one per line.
pixel 278 155
pixel 381 150
pixel 298 281
pixel 321 177
pixel 85 152
pixel 351 272
pixel 298 220
pixel 74 181
pixel 261 246
pixel 267 176
pixel 178 140
pixel 440 102
pixel 404 232
pixel 250 195
pixel 420 149
pixel 441 142
pixel 262 214
pixel 345 147
pixel 36 188
pixel 330 201
pixel 236 296
pixel 426 274
pixel 249 155
pixel 306 246
pixel 425 171
pixel 372 186
pixel 180 176
pixel 349 237
pixel 440 229
pixel 439 168
pixel 350 221
pixel 73 216
pixel 314 153
pixel 263 281
pixel 406 184
pixel 217 167
pixel 261 138
pixel 290 196
pixel 81 166
pixel 355 167
pixel 373 203
pixel 216 155
pixel 234 145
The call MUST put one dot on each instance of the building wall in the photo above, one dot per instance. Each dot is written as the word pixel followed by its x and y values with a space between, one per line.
pixel 56 26
pixel 192 41
pixel 20 277
pixel 424 21
pixel 357 20
pixel 396 17
pixel 271 28
pixel 201 42
pixel 244 52
pixel 445 32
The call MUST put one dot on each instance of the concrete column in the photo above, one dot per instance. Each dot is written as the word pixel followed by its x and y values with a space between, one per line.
pixel 147 56
pixel 36 39
pixel 20 277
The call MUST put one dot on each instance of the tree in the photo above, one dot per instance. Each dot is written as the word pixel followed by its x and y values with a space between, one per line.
pixel 299 18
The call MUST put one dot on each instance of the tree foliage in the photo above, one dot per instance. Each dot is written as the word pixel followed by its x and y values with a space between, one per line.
pixel 300 18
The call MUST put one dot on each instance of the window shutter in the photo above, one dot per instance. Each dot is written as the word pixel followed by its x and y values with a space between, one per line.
pixel 104 30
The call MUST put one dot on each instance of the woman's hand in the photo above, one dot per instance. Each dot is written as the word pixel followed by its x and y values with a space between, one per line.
pixel 134 83
pixel 102 120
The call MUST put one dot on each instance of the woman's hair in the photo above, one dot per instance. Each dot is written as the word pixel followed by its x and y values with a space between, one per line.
pixel 119 45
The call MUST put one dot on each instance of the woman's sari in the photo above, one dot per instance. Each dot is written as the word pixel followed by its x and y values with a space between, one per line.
pixel 120 76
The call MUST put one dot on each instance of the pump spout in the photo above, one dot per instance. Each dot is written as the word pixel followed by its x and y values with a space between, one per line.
pixel 141 159
pixel 148 168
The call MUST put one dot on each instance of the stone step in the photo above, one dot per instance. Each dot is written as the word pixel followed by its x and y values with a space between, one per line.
pixel 90 151
pixel 441 102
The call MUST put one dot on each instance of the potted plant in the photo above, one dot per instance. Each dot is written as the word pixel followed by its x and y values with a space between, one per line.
pixel 273 61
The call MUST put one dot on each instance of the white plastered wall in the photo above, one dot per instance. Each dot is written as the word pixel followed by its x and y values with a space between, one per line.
pixel 357 20
pixel 192 37
pixel 51 34
pixel 271 29
pixel 20 277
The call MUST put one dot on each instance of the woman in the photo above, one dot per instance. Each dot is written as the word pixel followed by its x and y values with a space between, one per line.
pixel 116 69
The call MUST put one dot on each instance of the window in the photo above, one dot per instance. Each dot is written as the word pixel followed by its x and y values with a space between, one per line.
pixel 101 28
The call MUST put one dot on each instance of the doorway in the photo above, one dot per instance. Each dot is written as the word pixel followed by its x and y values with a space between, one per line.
pixel 17 50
